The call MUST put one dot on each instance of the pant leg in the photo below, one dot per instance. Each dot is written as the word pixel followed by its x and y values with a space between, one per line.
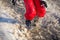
pixel 30 9
pixel 40 9
pixel 41 12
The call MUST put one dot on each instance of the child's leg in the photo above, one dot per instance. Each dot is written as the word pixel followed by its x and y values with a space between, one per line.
pixel 40 12
pixel 40 9
pixel 30 11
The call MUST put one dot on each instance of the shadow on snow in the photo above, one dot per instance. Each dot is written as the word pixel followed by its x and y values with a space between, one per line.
pixel 8 20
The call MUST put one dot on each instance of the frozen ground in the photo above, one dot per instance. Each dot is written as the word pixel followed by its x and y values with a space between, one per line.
pixel 12 26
